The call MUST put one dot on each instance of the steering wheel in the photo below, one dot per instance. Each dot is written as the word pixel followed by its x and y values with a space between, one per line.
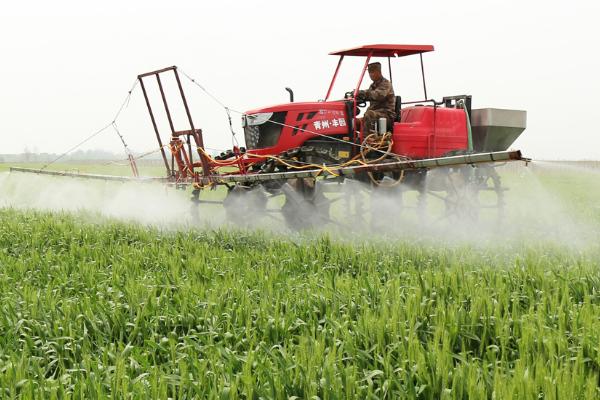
pixel 359 102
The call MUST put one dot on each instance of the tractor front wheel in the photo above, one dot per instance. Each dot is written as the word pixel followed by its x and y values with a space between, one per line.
pixel 245 205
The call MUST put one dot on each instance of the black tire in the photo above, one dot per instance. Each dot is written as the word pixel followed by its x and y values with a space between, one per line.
pixel 305 206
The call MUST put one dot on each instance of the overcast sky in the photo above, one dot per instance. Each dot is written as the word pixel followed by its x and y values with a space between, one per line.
pixel 67 65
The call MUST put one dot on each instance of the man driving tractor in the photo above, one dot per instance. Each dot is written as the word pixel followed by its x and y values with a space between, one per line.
pixel 381 97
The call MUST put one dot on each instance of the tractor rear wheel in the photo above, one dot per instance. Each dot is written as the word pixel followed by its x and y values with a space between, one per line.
pixel 468 191
pixel 305 205
pixel 462 196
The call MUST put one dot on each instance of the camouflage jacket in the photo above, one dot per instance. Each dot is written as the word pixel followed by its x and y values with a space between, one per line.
pixel 381 96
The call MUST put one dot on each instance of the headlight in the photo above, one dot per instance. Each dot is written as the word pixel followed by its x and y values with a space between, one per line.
pixel 256 119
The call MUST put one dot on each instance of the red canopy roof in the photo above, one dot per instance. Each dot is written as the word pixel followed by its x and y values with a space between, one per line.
pixel 385 50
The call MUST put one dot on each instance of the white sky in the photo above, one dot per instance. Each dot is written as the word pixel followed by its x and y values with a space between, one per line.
pixel 67 65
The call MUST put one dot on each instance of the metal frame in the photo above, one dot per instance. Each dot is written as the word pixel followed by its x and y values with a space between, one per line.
pixel 115 178
pixel 350 172
pixel 368 58
pixel 337 69
pixel 423 75
pixel 343 172
pixel 184 159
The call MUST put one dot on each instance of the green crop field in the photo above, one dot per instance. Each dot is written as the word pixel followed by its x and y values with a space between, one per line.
pixel 94 307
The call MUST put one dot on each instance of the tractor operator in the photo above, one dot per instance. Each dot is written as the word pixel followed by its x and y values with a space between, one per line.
pixel 381 97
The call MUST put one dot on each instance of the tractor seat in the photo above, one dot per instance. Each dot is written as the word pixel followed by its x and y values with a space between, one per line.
pixel 397 108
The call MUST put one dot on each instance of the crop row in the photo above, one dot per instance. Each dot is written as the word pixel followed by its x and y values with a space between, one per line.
pixel 89 310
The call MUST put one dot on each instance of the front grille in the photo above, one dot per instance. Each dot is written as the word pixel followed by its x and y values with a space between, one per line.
pixel 265 134
pixel 251 134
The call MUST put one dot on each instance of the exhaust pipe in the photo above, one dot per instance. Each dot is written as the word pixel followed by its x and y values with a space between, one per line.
pixel 291 92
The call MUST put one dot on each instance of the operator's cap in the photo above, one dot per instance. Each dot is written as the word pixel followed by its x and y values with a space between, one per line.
pixel 376 66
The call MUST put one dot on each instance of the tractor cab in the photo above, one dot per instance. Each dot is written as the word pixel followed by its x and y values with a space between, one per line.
pixel 422 129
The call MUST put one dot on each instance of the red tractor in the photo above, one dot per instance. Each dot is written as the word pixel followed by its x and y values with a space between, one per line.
pixel 303 150
pixel 290 136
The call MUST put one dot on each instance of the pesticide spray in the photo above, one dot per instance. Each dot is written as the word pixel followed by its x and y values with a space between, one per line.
pixel 540 207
